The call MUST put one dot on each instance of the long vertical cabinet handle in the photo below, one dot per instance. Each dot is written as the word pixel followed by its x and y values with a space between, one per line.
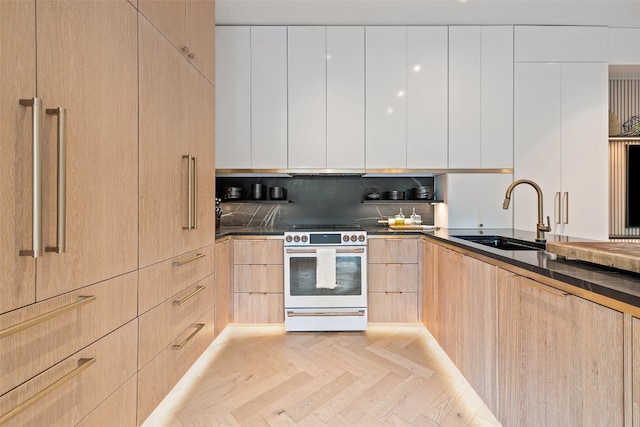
pixel 195 193
pixel 566 207
pixel 36 222
pixel 189 192
pixel 558 205
pixel 61 239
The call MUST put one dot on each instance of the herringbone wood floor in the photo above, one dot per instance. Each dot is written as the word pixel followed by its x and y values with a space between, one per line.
pixel 260 375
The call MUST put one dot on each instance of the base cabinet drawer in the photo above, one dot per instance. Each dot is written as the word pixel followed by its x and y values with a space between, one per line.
pixel 258 307
pixel 389 307
pixel 119 409
pixel 159 281
pixel 258 251
pixel 393 277
pixel 164 323
pixel 258 278
pixel 68 391
pixel 162 373
pixel 71 322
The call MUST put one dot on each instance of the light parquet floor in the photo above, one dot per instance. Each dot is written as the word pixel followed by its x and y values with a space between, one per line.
pixel 260 375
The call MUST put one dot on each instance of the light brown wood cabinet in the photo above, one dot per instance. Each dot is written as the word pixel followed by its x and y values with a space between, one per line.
pixel 258 281
pixel 393 279
pixel 224 283
pixel 635 372
pixel 95 372
pixel 188 25
pixel 560 357
pixel 79 60
pixel 176 126
pixel 86 64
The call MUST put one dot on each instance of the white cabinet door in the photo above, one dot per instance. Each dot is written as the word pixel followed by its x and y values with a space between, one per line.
pixel 560 138
pixel 496 94
pixel 481 97
pixel 268 97
pixel 307 97
pixel 386 82
pixel 537 139
pixel 464 96
pixel 585 150
pixel 560 44
pixel 427 97
pixel 345 97
pixel 233 97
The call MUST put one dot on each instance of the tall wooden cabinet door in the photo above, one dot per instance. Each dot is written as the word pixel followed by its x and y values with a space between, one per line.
pixel 636 370
pixel 87 64
pixel 447 289
pixel 478 328
pixel 176 124
pixel 561 357
pixel 224 284
pixel 18 71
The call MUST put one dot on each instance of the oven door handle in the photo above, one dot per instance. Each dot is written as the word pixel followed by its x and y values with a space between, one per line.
pixel 358 313
pixel 338 251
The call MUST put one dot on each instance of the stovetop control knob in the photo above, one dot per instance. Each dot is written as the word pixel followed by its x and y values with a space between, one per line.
pixel 304 238
pixel 354 238
pixel 345 238
pixel 296 238
pixel 288 239
pixel 361 238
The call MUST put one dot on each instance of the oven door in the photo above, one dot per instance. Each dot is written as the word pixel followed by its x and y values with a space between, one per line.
pixel 300 279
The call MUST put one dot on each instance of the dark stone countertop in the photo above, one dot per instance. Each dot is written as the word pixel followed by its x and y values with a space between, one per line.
pixel 612 283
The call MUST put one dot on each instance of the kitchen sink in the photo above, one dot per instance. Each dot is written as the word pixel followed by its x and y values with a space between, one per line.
pixel 504 243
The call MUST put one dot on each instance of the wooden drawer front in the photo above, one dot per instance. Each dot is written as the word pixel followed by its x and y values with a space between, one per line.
pixel 258 307
pixel 111 362
pixel 393 278
pixel 393 251
pixel 258 278
pixel 160 281
pixel 120 409
pixel 157 378
pixel 258 252
pixel 163 324
pixel 30 351
pixel 393 307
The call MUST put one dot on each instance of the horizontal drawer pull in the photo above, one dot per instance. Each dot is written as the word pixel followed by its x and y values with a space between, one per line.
pixel 196 291
pixel 46 316
pixel 393 293
pixel 188 260
pixel 358 313
pixel 82 365
pixel 198 327
pixel 313 251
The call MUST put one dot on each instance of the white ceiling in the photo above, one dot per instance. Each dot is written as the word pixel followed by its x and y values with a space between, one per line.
pixel 613 13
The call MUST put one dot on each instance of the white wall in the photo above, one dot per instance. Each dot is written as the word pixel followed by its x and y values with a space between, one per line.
pixel 612 13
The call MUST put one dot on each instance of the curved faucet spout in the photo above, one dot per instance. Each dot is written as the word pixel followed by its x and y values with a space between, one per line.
pixel 540 227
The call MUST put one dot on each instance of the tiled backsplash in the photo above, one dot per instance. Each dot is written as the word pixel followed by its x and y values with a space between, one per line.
pixel 321 199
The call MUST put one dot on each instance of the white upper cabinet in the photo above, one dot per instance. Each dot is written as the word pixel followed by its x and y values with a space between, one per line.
pixel 406 97
pixel 623 46
pixel 561 143
pixel 251 97
pixel 268 97
pixel 326 98
pixel 307 73
pixel 233 97
pixel 427 97
pixel 345 97
pixel 386 86
pixel 561 44
pixel 480 97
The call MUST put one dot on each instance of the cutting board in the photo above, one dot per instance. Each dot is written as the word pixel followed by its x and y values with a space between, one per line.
pixel 405 227
pixel 622 255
